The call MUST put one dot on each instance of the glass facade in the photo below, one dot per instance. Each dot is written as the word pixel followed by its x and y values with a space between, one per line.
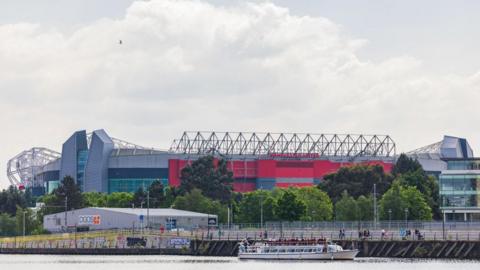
pixel 463 165
pixel 82 157
pixel 460 185
pixel 50 186
pixel 132 184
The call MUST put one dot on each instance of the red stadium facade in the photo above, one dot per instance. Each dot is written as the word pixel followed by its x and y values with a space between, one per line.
pixel 270 173
pixel 266 161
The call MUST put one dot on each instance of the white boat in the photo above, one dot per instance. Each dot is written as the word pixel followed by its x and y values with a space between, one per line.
pixel 281 251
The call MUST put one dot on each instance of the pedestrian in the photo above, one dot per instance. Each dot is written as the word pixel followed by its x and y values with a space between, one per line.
pixel 383 234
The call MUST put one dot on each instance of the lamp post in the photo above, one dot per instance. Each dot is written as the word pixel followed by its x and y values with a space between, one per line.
pixel 261 207
pixel 406 218
pixel 389 219
pixel 66 214
pixel 23 223
pixel 148 209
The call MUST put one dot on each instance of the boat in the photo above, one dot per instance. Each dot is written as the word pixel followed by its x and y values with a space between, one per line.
pixel 294 250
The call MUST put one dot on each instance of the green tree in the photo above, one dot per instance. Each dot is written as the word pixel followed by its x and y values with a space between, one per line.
pixel 171 194
pixel 410 173
pixel 398 198
pixel 7 225
pixel 346 209
pixel 356 180
pixel 319 206
pixel 10 199
pixel 31 222
pixel 95 199
pixel 249 207
pixel 215 181
pixel 405 164
pixel 365 208
pixel 156 194
pixel 140 198
pixel 120 200
pixel 69 192
pixel 289 207
pixel 195 201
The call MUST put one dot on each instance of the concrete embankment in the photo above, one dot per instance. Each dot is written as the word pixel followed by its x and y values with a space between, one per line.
pixel 367 248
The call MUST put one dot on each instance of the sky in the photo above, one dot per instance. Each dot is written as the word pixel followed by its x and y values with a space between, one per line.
pixel 409 69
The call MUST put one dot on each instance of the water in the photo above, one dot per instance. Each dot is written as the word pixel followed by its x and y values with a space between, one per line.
pixel 47 262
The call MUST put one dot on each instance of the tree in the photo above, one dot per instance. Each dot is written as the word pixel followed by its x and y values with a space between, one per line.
pixel 405 164
pixel 10 199
pixel 171 194
pixel 31 223
pixel 68 191
pixel 215 182
pixel 289 207
pixel 95 199
pixel 356 180
pixel 140 198
pixel 365 208
pixel 346 208
pixel 398 198
pixel 410 173
pixel 250 205
pixel 195 201
pixel 156 194
pixel 319 206
pixel 7 225
pixel 120 200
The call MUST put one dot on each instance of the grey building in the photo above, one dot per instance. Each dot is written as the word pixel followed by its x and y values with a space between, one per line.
pixel 93 218
pixel 452 162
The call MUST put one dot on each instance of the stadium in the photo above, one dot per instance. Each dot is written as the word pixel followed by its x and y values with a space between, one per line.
pixel 101 163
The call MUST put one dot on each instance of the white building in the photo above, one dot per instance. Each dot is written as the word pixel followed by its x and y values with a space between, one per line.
pixel 93 218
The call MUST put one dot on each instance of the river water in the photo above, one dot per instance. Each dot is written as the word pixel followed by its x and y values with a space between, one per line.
pixel 47 262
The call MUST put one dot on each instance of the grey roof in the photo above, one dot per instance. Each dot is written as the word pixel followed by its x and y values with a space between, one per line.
pixel 449 147
pixel 156 212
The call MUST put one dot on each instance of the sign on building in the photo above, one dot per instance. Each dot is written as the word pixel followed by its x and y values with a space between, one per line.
pixel 89 220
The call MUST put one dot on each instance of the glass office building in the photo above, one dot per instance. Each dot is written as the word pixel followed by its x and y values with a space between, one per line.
pixel 460 190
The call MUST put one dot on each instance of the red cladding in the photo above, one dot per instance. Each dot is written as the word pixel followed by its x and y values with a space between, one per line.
pixel 175 167
pixel 266 169
pixel 273 169
pixel 244 187
pixel 243 169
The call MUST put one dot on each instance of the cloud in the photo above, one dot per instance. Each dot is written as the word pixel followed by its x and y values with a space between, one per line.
pixel 187 65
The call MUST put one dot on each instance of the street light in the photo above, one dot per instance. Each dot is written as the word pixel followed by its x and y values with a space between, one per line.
pixel 261 207
pixel 24 223
pixel 389 219
pixel 406 218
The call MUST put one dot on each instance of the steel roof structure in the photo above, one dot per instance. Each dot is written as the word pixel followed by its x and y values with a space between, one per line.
pixel 314 145
pixel 22 168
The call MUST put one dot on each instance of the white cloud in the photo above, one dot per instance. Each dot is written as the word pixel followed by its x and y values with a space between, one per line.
pixel 192 65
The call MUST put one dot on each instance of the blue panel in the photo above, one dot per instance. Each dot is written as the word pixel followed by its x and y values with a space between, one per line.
pixel 77 142
pixel 266 183
pixel 463 145
pixel 138 173
pixel 51 176
pixel 131 184
pixel 96 170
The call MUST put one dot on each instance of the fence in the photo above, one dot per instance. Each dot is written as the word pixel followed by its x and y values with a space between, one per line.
pixel 390 230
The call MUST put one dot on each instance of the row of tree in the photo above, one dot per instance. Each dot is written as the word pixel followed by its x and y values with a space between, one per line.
pixel 206 186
